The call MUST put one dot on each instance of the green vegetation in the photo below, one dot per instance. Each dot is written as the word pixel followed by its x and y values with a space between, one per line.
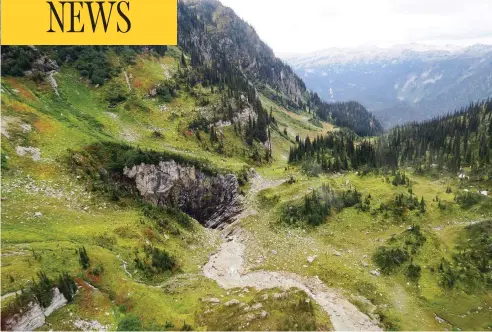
pixel 40 292
pixel 388 259
pixel 401 249
pixel 84 258
pixel 155 261
pixel 460 139
pixel 67 286
pixel 269 309
pixel 348 205
pixel 319 204
pixel 471 264
pixel 130 323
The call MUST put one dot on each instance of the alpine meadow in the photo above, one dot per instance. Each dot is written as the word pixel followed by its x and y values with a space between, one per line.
pixel 205 186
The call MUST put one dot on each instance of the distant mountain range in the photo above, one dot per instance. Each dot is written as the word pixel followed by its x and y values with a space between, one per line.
pixel 402 83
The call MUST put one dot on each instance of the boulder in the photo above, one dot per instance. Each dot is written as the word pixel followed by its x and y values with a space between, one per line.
pixel 311 259
pixel 232 302
pixel 375 273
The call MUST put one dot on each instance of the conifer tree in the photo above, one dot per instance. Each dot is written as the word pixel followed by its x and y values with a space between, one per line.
pixel 84 258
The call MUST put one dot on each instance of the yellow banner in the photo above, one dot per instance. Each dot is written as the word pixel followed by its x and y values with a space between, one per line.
pixel 103 22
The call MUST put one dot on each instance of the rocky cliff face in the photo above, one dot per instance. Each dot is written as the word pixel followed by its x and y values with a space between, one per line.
pixel 212 30
pixel 212 200
pixel 34 316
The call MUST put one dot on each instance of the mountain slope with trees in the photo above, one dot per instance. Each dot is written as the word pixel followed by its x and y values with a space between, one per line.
pixel 400 84
pixel 461 139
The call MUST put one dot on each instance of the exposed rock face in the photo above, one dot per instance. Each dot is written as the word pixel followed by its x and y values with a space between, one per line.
pixel 212 200
pixel 210 36
pixel 30 320
pixel 35 316
pixel 51 80
pixel 58 301
pixel 241 117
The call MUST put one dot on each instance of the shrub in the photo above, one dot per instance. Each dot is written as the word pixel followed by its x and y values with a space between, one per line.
pixel 400 179
pixel 115 93
pixel 316 207
pixel 161 215
pixel 468 199
pixel 160 261
pixel 351 198
pixel 388 259
pixel 312 168
pixel 4 159
pixel 413 271
pixel 186 327
pixel 98 270
pixel 130 323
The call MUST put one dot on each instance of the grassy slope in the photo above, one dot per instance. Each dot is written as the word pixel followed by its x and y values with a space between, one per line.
pixel 111 232
pixel 72 217
pixel 355 235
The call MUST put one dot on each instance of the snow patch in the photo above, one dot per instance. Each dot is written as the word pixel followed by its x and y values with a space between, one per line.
pixel 433 79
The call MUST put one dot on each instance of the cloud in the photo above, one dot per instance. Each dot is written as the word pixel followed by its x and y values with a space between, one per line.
pixel 295 26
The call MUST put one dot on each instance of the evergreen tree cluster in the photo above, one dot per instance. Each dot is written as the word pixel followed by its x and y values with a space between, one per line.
pixel 471 266
pixel 84 258
pixel 155 261
pixel 67 286
pixel 335 152
pixel 346 114
pixel 319 204
pixel 399 250
pixel 463 138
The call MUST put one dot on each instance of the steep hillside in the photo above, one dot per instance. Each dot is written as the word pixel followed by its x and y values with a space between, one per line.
pixel 212 31
pixel 71 184
pixel 400 84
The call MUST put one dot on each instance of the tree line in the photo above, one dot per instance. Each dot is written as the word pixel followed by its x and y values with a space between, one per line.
pixel 463 138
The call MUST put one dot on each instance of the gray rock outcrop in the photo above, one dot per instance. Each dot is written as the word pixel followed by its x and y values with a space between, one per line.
pixel 212 200
pixel 28 321
pixel 35 316
pixel 58 301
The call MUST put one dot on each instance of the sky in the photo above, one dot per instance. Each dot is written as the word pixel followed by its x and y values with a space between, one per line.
pixel 293 26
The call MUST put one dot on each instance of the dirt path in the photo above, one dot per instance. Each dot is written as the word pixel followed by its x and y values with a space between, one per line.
pixel 226 267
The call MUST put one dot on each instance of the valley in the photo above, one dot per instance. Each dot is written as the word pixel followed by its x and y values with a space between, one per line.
pixel 203 187
pixel 402 83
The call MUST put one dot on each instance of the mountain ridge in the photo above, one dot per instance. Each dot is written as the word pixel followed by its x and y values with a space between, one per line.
pixel 400 84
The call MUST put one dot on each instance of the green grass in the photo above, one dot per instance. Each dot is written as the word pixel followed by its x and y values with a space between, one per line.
pixel 276 310
pixel 111 232
pixel 355 235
